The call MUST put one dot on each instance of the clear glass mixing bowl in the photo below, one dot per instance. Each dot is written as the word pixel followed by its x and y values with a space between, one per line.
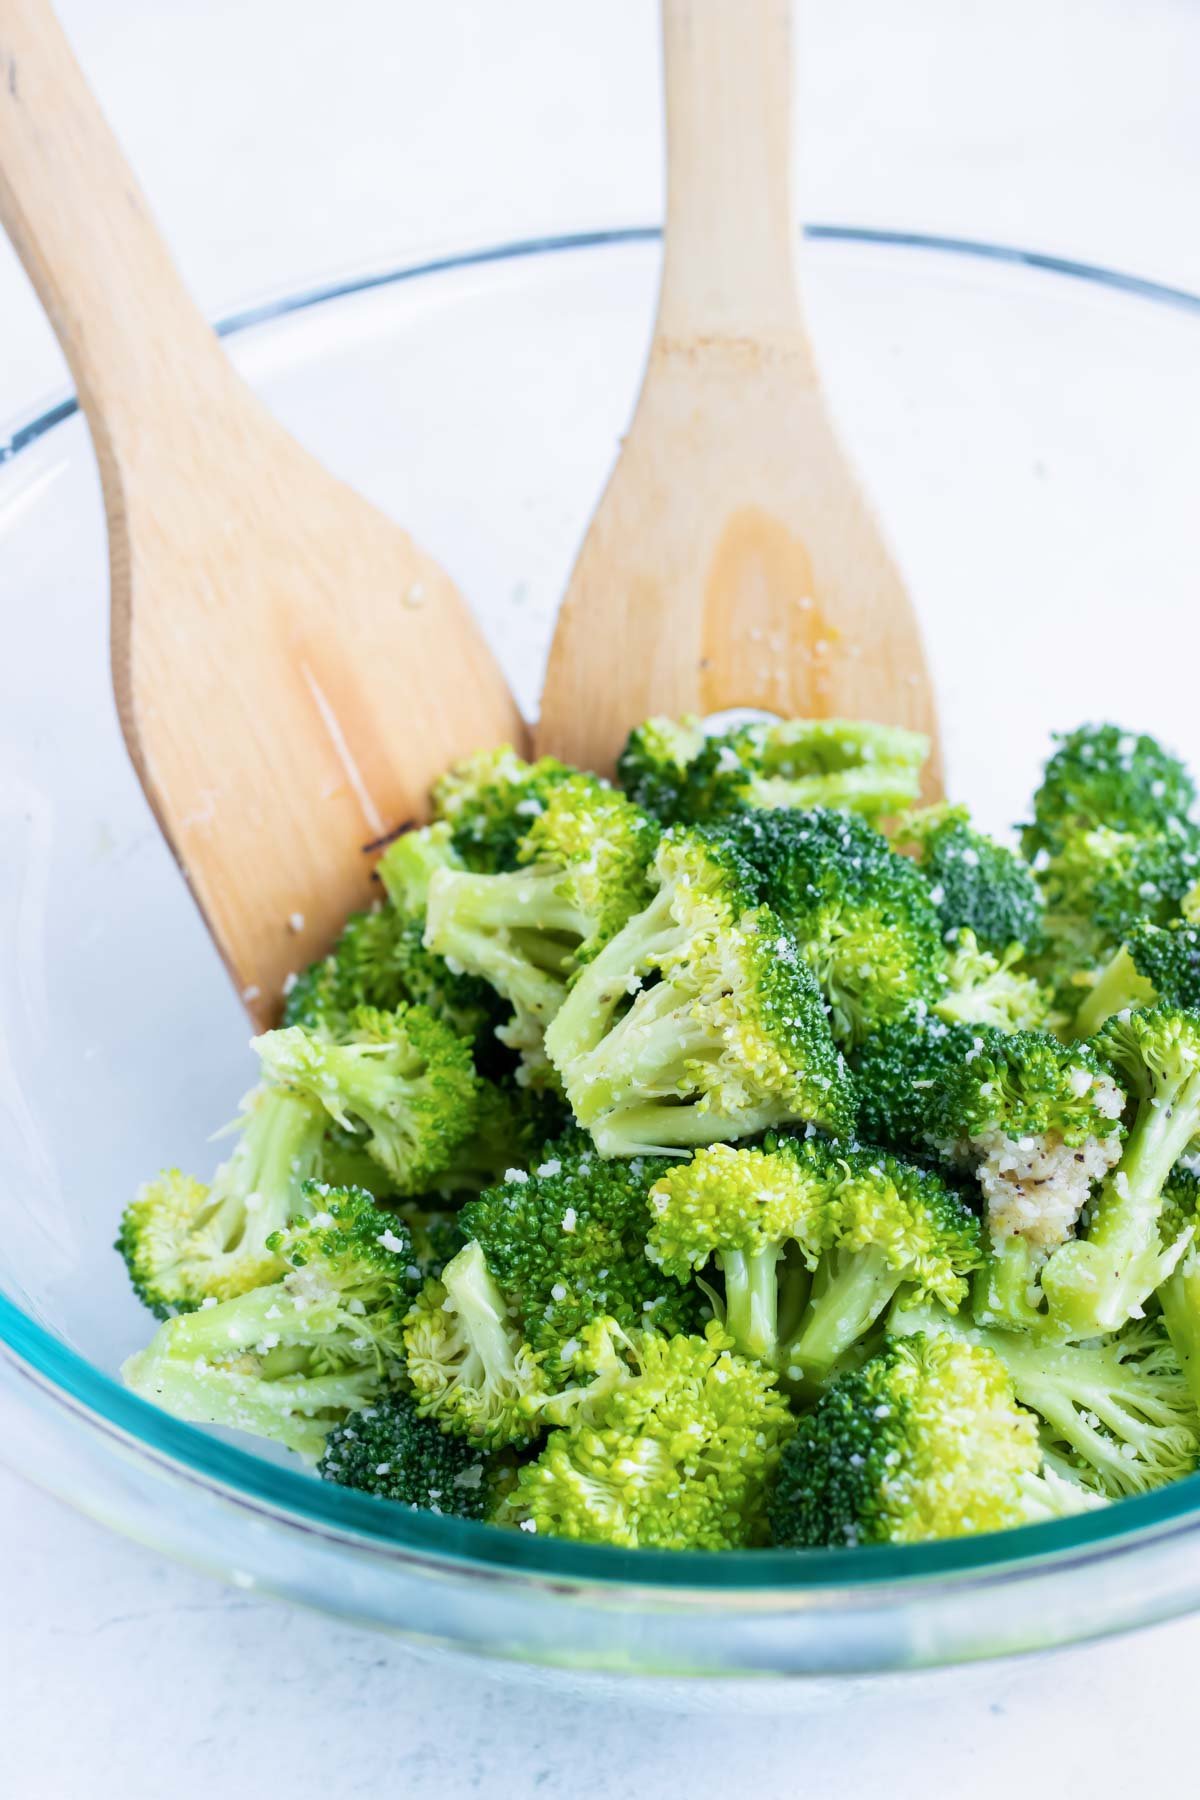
pixel 1030 430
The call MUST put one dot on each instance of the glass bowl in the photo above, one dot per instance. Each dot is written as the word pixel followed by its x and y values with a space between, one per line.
pixel 1030 430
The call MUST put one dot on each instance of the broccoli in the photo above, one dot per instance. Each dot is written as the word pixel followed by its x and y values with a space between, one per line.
pixel 684 776
pixel 434 1233
pixel 402 1080
pixel 925 1441
pixel 861 914
pixel 511 1125
pixel 489 801
pixel 1116 1413
pixel 1098 889
pixel 672 1444
pixel 863 1224
pixel 985 989
pixel 469 1366
pixel 390 1451
pixel 698 1020
pixel 1179 1294
pixel 582 874
pixel 1155 963
pixel 1102 776
pixel 409 863
pixel 1094 1283
pixel 292 1358
pixel 975 883
pixel 184 1242
pixel 567 1241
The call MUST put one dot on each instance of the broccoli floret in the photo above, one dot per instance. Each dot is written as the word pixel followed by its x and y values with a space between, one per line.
pixel 567 1241
pixel 975 883
pixel 511 1125
pixel 1100 886
pixel 1155 963
pixel 1101 775
pixel 434 1233
pixel 672 1444
pixel 859 1226
pixel 985 989
pixel 1116 1413
pixel 698 1020
pixel 926 1441
pixel 1095 1283
pixel 390 1451
pixel 861 914
pixel 525 930
pixel 469 1366
pixel 685 777
pixel 489 801
pixel 402 1080
pixel 410 862
pixel 184 1242
pixel 1179 1294
pixel 291 1359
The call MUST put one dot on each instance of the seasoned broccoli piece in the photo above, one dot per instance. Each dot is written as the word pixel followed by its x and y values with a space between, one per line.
pixel 698 1020
pixel 512 1123
pixel 184 1242
pixel 1101 775
pixel 468 1364
pixel 926 1441
pixel 291 1359
pixel 401 1079
pixel 1179 1294
pixel 862 1224
pixel 489 801
pixel 567 1241
pixel 390 1451
pixel 1098 889
pixel 671 1444
pixel 985 989
pixel 861 914
pixel 975 883
pixel 1155 963
pixel 582 874
pixel 1116 1412
pixel 1095 1283
pixel 685 777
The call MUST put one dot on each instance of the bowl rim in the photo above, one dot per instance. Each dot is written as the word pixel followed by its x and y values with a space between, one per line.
pixel 380 1527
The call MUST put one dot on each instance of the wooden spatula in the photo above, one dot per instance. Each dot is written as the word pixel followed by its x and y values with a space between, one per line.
pixel 291 670
pixel 733 560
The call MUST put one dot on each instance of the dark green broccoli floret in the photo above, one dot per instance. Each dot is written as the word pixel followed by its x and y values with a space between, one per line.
pixel 566 1241
pixel 185 1242
pixel 1101 775
pixel 489 802
pixel 975 883
pixel 1095 1283
pixel 434 1232
pixel 401 1080
pixel 858 1226
pixel 291 1359
pixel 860 913
pixel 685 777
pixel 390 1451
pixel 468 1364
pixel 672 1444
pixel 582 874
pixel 699 1020
pixel 1116 1413
pixel 926 1441
pixel 1179 1294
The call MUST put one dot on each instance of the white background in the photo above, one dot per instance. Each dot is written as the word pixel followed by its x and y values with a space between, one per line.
pixel 280 140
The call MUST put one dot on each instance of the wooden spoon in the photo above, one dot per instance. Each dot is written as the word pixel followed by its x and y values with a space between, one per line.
pixel 733 560
pixel 291 670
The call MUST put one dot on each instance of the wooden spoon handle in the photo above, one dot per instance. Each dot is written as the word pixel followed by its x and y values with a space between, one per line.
pixel 131 334
pixel 729 267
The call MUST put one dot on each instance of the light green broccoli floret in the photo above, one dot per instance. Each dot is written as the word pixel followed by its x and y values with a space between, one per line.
pixel 669 1442
pixel 291 1359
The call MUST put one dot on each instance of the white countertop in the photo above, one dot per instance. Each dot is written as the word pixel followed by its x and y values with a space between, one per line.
pixel 360 132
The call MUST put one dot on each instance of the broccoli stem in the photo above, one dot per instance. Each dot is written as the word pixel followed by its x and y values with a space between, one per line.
pixel 495 936
pixel 1094 1284
pixel 752 1300
pixel 477 1299
pixel 1119 985
pixel 1179 1297
pixel 849 1291
pixel 612 976
pixel 1005 1288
